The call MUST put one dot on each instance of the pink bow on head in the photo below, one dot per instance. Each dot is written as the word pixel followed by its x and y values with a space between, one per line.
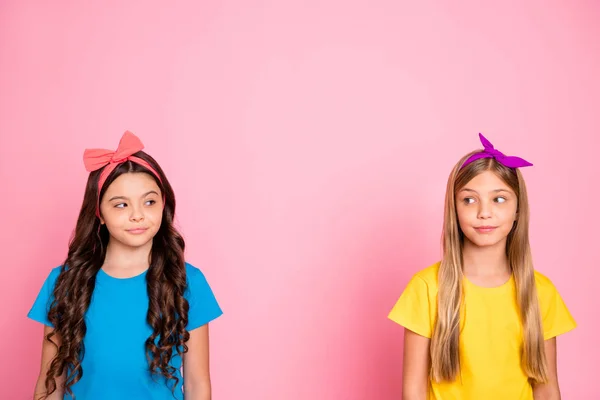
pixel 95 159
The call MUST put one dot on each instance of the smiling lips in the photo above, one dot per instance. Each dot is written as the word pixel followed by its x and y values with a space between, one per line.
pixel 485 229
pixel 137 231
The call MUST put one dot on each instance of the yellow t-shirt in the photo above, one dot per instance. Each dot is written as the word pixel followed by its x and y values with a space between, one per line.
pixel 490 335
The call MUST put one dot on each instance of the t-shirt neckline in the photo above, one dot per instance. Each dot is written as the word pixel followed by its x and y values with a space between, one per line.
pixel 104 276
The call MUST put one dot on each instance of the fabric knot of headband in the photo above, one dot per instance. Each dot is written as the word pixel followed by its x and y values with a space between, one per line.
pixel 490 152
pixel 95 159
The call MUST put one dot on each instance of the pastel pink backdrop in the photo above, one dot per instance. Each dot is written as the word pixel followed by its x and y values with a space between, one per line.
pixel 309 144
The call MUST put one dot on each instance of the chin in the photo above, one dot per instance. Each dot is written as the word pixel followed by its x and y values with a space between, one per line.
pixel 139 244
pixel 135 242
pixel 484 242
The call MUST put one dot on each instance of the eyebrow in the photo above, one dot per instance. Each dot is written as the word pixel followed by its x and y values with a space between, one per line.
pixel 475 191
pixel 127 198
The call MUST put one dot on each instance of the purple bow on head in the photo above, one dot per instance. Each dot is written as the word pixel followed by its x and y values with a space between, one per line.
pixel 490 152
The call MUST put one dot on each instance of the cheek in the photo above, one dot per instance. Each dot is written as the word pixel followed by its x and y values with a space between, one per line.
pixel 465 220
pixel 114 218
pixel 507 215
pixel 155 216
pixel 465 214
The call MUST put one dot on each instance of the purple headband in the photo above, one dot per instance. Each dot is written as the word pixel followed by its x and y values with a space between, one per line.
pixel 490 152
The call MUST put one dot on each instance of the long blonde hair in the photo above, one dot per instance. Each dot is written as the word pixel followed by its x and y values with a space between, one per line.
pixel 445 365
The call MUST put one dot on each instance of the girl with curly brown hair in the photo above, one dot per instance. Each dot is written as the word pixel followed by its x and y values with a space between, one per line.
pixel 125 316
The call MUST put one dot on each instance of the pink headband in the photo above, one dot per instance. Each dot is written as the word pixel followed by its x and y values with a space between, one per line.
pixel 95 159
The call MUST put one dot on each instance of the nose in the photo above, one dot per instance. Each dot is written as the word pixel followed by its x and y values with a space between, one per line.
pixel 137 214
pixel 485 210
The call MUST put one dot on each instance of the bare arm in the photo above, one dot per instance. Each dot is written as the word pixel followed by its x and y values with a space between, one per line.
pixel 416 362
pixel 196 372
pixel 549 390
pixel 48 353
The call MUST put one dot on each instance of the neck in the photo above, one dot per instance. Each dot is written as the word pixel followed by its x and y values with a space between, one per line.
pixel 119 256
pixel 485 261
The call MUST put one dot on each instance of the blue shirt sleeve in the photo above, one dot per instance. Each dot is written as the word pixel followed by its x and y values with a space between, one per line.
pixel 41 306
pixel 203 304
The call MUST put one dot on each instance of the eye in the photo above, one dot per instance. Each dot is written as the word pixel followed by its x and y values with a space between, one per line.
pixel 120 205
pixel 150 202
pixel 500 199
pixel 468 200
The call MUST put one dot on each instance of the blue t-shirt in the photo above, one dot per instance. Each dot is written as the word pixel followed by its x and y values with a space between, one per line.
pixel 115 365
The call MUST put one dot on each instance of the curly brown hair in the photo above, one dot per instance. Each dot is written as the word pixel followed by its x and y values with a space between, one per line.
pixel 165 280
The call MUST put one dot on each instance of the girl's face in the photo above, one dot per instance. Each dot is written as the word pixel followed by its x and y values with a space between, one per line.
pixel 486 209
pixel 132 208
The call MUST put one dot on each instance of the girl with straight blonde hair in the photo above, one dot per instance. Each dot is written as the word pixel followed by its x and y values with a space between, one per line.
pixel 481 324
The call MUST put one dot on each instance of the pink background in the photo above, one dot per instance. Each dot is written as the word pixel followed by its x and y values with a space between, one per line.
pixel 309 144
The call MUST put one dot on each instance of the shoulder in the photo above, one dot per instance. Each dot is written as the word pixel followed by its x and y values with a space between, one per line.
pixel 195 279
pixel 429 275
pixel 55 272
pixel 416 307
pixel 203 304
pixel 424 281
pixel 542 280
pixel 193 272
pixel 53 276
pixel 545 288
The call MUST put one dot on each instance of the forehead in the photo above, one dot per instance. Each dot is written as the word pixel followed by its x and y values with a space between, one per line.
pixel 487 181
pixel 132 184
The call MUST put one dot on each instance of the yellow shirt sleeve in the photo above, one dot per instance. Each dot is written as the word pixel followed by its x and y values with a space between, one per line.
pixel 556 318
pixel 412 310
